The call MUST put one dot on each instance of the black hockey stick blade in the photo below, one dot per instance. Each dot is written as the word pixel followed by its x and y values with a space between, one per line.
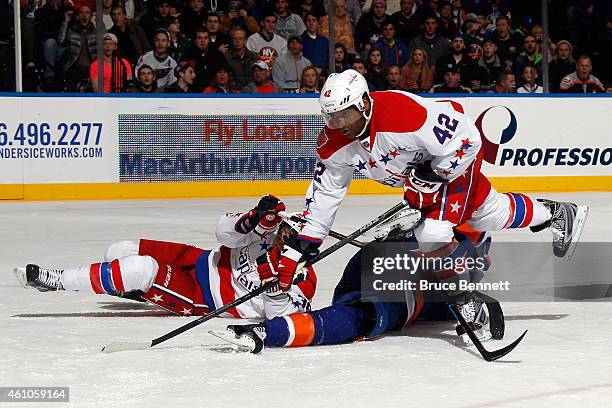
pixel 487 355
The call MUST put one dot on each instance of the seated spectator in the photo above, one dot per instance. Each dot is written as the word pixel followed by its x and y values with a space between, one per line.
pixel 155 19
pixel 313 7
pixel 456 58
pixel 538 32
pixel 394 51
pixel 145 81
pixel 360 66
pixel 315 46
pixel 508 42
pixel 117 71
pixel 217 7
pixel 353 10
pixel 529 56
pixel 288 24
pixel 376 69
pixel 132 39
pixel 474 75
pixel 310 80
pixel 408 20
pixel 240 59
pixel 342 58
pixel 451 84
pixel 221 83
pixel 218 40
pixel 429 39
pixel 417 76
pixel 239 17
pixel 459 14
pixel 107 20
pixel 185 76
pixel 158 59
pixel 506 83
pixel 581 80
pixel 203 58
pixel 47 22
pixel 491 62
pixel 562 65
pixel 343 32
pixel 79 38
pixel 370 26
pixel 446 26
pixel 529 85
pixel 393 76
pixel 179 43
pixel 524 26
pixel 266 43
pixel 261 80
pixel 473 30
pixel 192 17
pixel 287 68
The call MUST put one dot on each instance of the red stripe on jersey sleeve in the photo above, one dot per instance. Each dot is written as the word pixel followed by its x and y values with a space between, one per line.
pixel 330 141
pixel 117 278
pixel 94 279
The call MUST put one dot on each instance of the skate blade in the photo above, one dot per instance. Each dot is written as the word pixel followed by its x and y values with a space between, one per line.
pixel 20 274
pixel 243 344
pixel 577 227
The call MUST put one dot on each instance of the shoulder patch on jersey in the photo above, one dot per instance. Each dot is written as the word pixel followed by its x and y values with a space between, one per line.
pixel 330 141
pixel 396 112
pixel 456 105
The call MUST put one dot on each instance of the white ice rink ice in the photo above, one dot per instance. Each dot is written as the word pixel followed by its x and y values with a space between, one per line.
pixel 54 339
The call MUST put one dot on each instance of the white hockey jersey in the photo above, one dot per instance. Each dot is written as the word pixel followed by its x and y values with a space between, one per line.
pixel 405 131
pixel 268 50
pixel 164 68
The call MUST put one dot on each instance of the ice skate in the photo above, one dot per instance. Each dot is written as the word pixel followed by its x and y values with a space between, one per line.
pixel 45 280
pixel 566 226
pixel 248 336
pixel 484 315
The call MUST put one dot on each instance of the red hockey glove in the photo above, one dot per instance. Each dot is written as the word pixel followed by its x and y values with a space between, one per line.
pixel 295 253
pixel 422 190
pixel 266 268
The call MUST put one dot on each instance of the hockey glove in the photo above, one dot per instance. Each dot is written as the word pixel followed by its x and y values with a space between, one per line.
pixel 422 189
pixel 295 254
pixel 263 218
pixel 266 268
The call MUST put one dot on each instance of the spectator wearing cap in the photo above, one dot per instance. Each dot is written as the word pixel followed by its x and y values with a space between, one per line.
pixel 240 59
pixel 315 46
pixel 417 76
pixel 221 83
pixel 451 84
pixel 218 40
pixel 446 26
pixel 145 81
pixel 185 76
pixel 529 56
pixel 288 24
pixel 508 42
pixel 370 26
pixel 155 18
pixel 266 43
pixel 192 17
pixel 530 75
pixel 562 65
pixel 343 30
pixel 132 39
pixel 581 80
pixel 432 42
pixel 203 58
pixel 394 51
pixel 158 59
pixel 261 80
pixel 456 58
pixel 287 69
pixel 117 71
pixel 408 20
pixel 179 43
pixel 506 83
pixel 310 81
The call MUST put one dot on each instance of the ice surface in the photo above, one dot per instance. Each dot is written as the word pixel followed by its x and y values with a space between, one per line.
pixel 565 360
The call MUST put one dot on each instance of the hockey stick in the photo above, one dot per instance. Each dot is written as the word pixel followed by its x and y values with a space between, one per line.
pixel 332 233
pixel 143 345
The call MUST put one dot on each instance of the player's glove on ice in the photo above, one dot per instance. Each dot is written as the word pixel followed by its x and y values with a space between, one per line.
pixel 295 254
pixel 263 218
pixel 422 189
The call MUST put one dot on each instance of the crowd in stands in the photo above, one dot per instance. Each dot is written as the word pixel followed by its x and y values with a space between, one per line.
pixel 282 46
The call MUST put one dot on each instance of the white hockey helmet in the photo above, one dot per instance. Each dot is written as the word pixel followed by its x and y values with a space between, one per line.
pixel 340 93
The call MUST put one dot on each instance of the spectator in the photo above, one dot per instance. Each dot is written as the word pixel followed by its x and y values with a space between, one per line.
pixel 394 51
pixel 529 56
pixel 508 42
pixel 459 13
pixel 581 80
pixel 370 26
pixel 451 84
pixel 530 75
pixel 343 31
pixel 562 65
pixel 310 80
pixel 221 83
pixel 342 60
pixel 239 59
pixel 145 81
pixel 80 41
pixel 239 18
pixel 47 22
pixel 158 59
pixel 218 40
pixel 315 46
pixel 132 39
pixel 446 26
pixel 474 75
pixel 353 9
pixel 179 43
pixel 360 66
pixel 156 19
pixel 506 83
pixel 288 68
pixel 490 61
pixel 376 69
pixel 185 75
pixel 429 39
pixel 456 58
pixel 312 7
pixel 117 71
pixel 524 26
pixel 261 82
pixel 265 43
pixel 408 20
pixel 107 20
pixel 538 32
pixel 473 30
pixel 288 24
pixel 217 7
pixel 203 58
pixel 417 76
pixel 192 18
pixel 493 9
pixel 392 77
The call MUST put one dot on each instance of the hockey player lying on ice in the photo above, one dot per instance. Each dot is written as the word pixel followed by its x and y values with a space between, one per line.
pixel 186 280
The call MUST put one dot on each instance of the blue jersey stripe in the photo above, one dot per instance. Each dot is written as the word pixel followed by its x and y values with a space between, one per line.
pixel 202 275
pixel 105 277
pixel 519 214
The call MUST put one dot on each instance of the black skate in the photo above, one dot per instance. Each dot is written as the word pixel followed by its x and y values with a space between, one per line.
pixel 249 337
pixel 45 280
pixel 566 226
pixel 484 315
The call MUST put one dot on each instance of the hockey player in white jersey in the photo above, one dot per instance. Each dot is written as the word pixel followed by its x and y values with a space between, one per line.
pixel 429 148
pixel 186 280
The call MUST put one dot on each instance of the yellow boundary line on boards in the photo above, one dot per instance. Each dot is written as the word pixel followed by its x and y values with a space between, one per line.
pixel 226 189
